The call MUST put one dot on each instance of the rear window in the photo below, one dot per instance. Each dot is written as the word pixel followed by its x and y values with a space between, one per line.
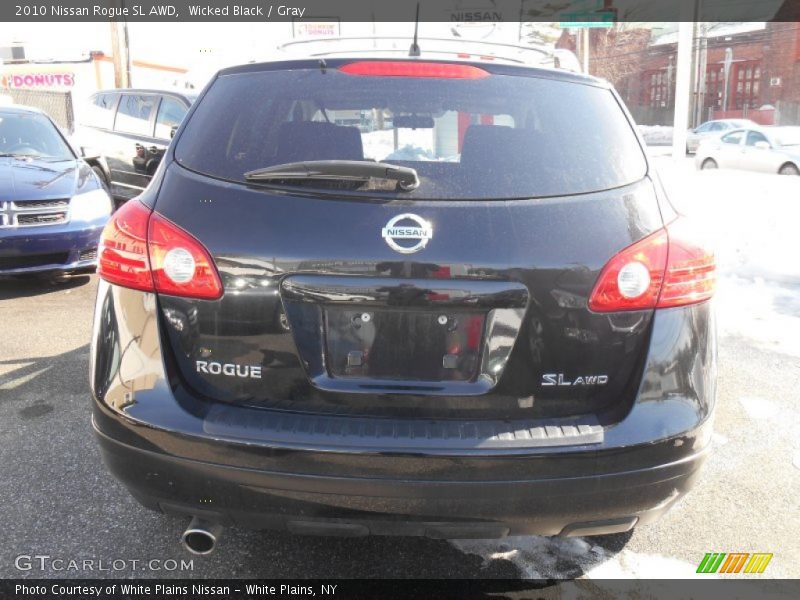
pixel 499 136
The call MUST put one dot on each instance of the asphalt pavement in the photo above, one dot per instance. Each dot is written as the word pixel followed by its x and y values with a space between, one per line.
pixel 59 502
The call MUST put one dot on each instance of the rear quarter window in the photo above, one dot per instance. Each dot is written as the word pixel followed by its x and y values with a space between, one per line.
pixel 170 114
pixel 100 112
pixel 134 113
pixel 498 137
pixel 733 138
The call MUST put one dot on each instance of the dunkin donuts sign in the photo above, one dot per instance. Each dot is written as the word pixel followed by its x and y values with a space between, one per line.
pixel 34 80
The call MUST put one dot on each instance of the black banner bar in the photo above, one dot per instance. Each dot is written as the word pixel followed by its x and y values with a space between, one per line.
pixel 385 589
pixel 457 11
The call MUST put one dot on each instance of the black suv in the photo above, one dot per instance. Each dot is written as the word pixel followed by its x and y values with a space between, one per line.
pixel 124 133
pixel 404 297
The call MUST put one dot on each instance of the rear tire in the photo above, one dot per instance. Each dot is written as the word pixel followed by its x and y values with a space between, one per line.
pixel 709 163
pixel 789 169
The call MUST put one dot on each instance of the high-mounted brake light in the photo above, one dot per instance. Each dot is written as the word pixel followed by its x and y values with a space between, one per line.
pixel 142 250
pixel 413 69
pixel 667 268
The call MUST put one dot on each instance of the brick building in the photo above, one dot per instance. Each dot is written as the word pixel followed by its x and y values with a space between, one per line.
pixel 764 70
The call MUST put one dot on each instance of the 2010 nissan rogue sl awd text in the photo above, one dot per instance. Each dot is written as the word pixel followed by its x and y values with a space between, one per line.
pixel 404 297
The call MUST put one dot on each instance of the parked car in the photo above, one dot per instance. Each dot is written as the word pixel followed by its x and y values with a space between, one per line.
pixel 713 129
pixel 751 149
pixel 124 133
pixel 52 205
pixel 507 331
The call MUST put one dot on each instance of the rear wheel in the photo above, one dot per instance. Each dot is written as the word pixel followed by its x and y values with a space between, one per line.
pixel 709 163
pixel 789 169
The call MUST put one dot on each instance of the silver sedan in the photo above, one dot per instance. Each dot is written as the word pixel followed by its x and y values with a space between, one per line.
pixel 751 149
pixel 711 129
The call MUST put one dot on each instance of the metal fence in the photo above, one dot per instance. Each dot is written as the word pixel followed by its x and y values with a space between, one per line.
pixel 56 104
pixel 650 115
pixel 787 113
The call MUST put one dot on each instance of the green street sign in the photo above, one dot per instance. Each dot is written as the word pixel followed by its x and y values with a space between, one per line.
pixel 587 19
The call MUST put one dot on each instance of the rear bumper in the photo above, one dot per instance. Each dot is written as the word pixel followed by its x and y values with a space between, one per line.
pixel 604 502
pixel 268 469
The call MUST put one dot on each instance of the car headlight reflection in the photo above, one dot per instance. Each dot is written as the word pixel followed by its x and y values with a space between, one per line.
pixel 90 206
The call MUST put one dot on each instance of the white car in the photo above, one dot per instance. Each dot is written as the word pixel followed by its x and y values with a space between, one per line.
pixel 753 149
pixel 712 129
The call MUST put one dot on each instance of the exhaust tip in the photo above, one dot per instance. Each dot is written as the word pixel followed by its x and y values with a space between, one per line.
pixel 201 537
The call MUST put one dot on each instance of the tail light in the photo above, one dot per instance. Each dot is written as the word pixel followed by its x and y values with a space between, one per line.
pixel 691 269
pixel 122 257
pixel 383 68
pixel 142 250
pixel 667 268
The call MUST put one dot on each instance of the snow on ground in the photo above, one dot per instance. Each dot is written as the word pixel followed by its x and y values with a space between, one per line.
pixel 751 219
pixel 539 557
pixel 758 408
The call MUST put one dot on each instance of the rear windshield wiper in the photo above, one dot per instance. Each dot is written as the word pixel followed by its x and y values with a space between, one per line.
pixel 337 170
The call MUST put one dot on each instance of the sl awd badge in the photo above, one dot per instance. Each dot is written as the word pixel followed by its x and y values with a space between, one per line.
pixel 411 229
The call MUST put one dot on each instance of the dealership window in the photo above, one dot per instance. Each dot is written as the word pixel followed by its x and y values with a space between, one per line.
pixel 133 115
pixel 746 83
pixel 170 114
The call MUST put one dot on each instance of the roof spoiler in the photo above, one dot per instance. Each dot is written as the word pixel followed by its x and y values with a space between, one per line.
pixel 532 55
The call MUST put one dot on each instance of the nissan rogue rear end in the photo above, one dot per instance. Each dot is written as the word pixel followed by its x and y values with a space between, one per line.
pixel 404 297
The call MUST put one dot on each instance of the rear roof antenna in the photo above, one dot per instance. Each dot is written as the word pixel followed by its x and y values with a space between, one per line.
pixel 414 50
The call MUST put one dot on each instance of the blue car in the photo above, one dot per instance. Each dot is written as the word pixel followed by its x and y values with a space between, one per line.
pixel 53 206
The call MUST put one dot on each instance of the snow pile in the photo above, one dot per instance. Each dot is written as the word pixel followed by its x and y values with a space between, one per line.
pixel 656 135
pixel 751 219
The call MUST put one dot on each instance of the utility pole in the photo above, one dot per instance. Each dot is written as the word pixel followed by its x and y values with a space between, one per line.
pixel 702 68
pixel 586 50
pixel 726 72
pixel 120 50
pixel 683 89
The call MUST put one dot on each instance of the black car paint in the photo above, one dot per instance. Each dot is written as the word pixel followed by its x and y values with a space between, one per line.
pixel 128 160
pixel 517 457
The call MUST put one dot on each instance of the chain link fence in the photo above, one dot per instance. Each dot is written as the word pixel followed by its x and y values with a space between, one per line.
pixel 787 113
pixel 56 104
